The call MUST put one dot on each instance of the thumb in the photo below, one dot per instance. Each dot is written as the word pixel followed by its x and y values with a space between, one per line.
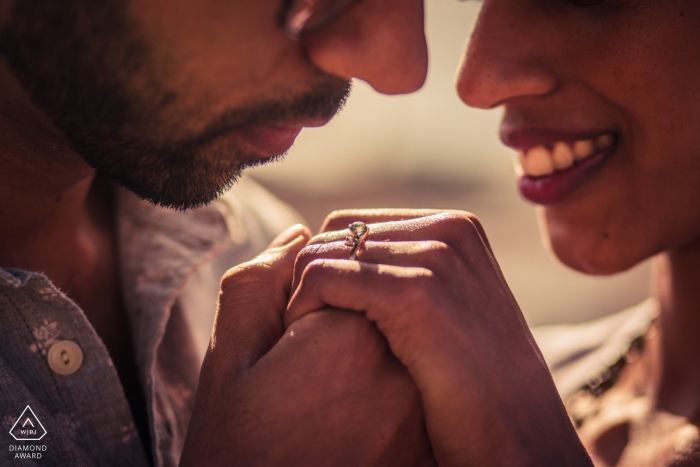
pixel 252 301
pixel 288 235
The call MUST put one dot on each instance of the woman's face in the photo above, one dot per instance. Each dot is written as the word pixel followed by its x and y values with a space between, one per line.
pixel 602 101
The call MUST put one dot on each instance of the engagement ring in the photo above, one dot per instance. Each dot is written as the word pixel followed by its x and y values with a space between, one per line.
pixel 358 234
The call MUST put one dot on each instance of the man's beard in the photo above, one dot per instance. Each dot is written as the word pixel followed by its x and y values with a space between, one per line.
pixel 187 173
pixel 81 79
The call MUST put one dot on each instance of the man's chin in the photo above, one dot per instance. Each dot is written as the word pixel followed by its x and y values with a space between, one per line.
pixel 181 196
pixel 180 184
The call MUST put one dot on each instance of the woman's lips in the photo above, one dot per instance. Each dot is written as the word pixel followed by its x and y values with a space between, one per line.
pixel 553 188
pixel 548 173
pixel 269 141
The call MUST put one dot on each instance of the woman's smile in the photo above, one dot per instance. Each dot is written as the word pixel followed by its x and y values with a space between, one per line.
pixel 551 164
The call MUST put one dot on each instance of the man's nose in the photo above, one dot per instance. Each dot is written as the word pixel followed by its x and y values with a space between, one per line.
pixel 505 58
pixel 381 42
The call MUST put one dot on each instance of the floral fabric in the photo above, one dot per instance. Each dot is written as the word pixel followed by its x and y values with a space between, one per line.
pixel 171 265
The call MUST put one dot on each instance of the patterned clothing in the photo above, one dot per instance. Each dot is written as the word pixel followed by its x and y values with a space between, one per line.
pixel 171 265
pixel 578 353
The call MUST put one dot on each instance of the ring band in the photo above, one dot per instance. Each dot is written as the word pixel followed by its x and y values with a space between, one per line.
pixel 359 231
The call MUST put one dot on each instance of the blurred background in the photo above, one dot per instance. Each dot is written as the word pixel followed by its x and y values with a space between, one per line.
pixel 429 150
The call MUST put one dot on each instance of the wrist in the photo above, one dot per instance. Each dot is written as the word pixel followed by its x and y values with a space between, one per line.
pixel 505 415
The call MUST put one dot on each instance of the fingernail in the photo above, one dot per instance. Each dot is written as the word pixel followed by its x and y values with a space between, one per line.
pixel 289 235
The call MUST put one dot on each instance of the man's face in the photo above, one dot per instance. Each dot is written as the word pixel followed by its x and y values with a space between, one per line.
pixel 619 73
pixel 173 98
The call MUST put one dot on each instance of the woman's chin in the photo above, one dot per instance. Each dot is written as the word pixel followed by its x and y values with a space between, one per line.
pixel 596 258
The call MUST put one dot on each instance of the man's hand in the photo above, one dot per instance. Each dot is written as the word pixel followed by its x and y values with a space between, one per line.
pixel 324 392
pixel 431 284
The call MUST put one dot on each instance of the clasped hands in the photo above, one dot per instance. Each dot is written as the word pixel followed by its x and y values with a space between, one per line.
pixel 415 355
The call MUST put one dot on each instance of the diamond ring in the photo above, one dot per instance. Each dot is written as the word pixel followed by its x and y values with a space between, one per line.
pixel 359 231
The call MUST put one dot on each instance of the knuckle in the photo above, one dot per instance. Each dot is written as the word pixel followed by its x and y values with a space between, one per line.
pixel 245 272
pixel 475 220
pixel 317 239
pixel 255 281
pixel 308 254
pixel 462 219
pixel 311 260
pixel 323 237
pixel 313 269
pixel 460 225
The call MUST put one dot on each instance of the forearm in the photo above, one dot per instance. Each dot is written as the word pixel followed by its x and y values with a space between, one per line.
pixel 514 413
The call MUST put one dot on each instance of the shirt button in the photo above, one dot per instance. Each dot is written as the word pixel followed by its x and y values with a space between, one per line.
pixel 65 357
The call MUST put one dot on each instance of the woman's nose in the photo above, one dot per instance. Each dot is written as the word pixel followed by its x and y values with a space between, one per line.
pixel 505 57
pixel 381 42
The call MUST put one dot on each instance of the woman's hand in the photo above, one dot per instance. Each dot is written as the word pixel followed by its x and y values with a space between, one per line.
pixel 431 284
pixel 270 398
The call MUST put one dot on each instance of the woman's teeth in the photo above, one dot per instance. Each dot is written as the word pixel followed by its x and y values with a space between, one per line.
pixel 540 161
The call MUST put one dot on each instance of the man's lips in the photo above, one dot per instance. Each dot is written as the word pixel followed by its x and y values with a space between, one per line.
pixel 551 164
pixel 268 141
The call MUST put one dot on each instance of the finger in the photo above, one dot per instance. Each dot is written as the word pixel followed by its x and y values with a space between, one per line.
pixel 339 220
pixel 252 302
pixel 458 229
pixel 349 285
pixel 434 256
pixel 461 230
pixel 288 235
pixel 399 300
